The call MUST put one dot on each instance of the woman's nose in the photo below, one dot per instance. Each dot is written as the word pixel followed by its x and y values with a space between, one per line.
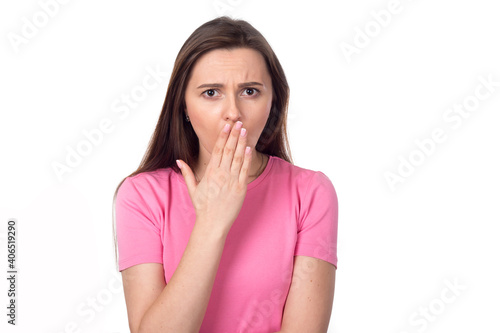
pixel 232 110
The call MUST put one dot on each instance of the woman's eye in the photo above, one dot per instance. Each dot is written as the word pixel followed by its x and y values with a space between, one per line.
pixel 210 92
pixel 247 91
pixel 251 91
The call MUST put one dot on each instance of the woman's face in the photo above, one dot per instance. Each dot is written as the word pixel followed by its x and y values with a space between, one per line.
pixel 227 86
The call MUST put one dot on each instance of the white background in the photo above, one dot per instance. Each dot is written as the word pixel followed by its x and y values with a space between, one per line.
pixel 351 117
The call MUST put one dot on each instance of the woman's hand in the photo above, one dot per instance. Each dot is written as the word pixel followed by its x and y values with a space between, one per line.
pixel 219 196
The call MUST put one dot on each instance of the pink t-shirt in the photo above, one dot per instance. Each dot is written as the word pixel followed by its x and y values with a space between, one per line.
pixel 287 211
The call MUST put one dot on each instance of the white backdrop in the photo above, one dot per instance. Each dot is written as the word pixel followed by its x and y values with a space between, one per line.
pixel 396 101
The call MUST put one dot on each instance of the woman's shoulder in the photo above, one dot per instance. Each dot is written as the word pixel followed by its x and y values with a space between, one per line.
pixel 148 181
pixel 305 183
pixel 158 174
pixel 300 174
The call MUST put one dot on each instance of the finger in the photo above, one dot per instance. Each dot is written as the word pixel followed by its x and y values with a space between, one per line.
pixel 239 154
pixel 230 147
pixel 188 175
pixel 246 165
pixel 218 148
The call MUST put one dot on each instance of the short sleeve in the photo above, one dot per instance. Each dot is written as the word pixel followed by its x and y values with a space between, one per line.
pixel 138 235
pixel 318 221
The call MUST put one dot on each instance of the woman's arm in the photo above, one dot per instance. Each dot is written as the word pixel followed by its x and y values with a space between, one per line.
pixel 142 285
pixel 217 200
pixel 180 305
pixel 309 303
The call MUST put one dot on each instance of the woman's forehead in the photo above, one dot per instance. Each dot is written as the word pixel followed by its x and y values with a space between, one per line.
pixel 237 64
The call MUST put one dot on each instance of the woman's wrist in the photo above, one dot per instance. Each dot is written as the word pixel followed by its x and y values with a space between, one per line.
pixel 206 229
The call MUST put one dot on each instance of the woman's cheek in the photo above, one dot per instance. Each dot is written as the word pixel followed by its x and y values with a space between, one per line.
pixel 252 139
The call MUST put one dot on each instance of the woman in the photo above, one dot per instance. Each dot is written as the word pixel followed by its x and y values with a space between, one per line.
pixel 217 230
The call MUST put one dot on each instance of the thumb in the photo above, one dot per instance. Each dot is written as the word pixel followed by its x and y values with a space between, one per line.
pixel 188 175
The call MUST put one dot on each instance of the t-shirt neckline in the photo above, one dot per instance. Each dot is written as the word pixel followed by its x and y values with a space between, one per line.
pixel 254 182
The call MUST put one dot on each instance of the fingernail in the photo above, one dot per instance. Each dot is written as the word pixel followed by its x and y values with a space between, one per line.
pixel 238 124
pixel 243 132
pixel 247 150
pixel 226 128
pixel 179 164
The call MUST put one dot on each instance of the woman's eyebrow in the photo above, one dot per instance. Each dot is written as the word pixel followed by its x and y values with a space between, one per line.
pixel 219 85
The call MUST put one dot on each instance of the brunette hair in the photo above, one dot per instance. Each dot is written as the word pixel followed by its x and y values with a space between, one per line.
pixel 174 138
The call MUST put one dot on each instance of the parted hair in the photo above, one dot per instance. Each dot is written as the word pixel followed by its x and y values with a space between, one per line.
pixel 174 137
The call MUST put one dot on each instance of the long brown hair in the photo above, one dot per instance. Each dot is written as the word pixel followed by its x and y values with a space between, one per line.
pixel 174 138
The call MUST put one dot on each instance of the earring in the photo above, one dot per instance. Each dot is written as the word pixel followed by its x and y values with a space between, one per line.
pixel 187 118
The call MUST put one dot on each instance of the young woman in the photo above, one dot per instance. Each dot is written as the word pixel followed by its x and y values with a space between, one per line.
pixel 217 230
